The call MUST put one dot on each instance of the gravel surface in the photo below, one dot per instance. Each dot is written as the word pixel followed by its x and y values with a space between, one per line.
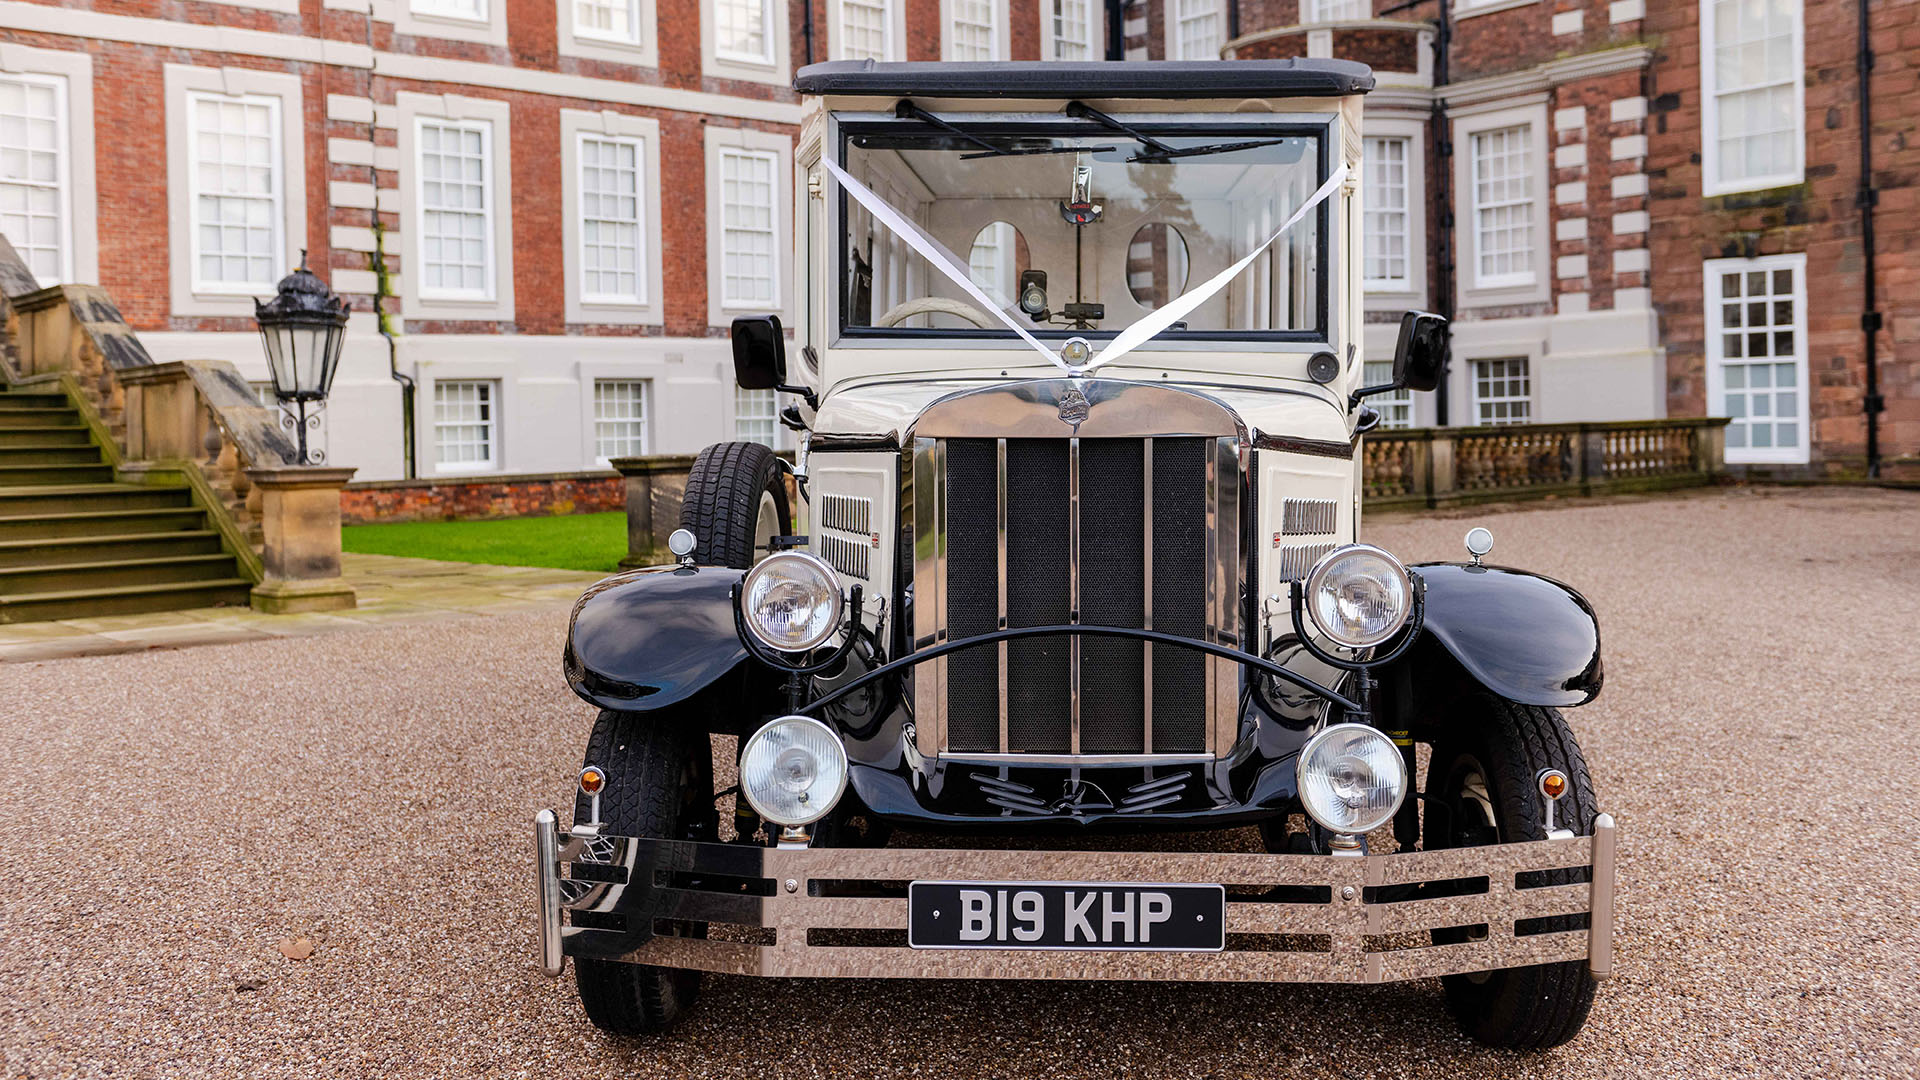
pixel 168 820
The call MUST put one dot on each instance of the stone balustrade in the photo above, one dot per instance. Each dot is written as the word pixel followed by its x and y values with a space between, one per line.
pixel 1441 466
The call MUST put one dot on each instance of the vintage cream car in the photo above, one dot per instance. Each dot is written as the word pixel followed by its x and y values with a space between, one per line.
pixel 1070 551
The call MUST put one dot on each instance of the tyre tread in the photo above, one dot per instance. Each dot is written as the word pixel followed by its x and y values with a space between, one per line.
pixel 722 500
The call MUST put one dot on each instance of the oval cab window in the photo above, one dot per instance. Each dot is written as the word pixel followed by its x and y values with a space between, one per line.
pixel 1156 265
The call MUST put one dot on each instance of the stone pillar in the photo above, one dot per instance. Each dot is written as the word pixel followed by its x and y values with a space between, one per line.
pixel 1442 469
pixel 656 485
pixel 163 414
pixel 300 523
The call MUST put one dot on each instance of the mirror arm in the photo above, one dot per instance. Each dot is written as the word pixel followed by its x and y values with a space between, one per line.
pixel 806 394
pixel 1353 399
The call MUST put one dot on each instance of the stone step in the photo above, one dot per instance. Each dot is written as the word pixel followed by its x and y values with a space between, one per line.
pixel 18 418
pixel 68 473
pixel 47 454
pixel 65 435
pixel 83 523
pixel 15 399
pixel 36 500
pixel 114 573
pixel 109 547
pixel 85 603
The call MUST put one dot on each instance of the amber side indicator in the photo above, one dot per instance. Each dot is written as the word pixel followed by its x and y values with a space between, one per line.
pixel 592 779
pixel 1553 784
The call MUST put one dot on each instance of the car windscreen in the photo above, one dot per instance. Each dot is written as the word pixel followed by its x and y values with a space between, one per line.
pixel 1079 230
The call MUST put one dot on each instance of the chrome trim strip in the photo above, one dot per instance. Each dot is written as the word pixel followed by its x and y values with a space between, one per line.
pixel 1224 593
pixel 1078 759
pixel 1146 588
pixel 1000 462
pixel 1600 900
pixel 1210 626
pixel 1073 594
pixel 929 680
pixel 546 855
pixel 1116 408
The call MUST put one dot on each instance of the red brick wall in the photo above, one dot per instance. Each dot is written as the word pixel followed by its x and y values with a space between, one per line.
pixel 472 500
pixel 1818 217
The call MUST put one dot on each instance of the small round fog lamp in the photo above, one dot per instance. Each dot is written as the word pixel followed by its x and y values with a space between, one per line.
pixel 1352 779
pixel 793 770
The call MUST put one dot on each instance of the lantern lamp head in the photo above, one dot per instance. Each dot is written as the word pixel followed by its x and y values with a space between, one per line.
pixel 302 328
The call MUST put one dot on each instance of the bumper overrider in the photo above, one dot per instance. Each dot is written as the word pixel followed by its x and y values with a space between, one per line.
pixel 825 913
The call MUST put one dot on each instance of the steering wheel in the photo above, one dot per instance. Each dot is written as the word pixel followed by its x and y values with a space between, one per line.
pixel 935 305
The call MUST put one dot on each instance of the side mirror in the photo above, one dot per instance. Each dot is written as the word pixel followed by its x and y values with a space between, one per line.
pixel 1421 351
pixel 1417 358
pixel 760 352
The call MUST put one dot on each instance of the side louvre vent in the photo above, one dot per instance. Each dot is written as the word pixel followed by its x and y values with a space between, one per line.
pixel 846 537
pixel 1308 517
pixel 1295 560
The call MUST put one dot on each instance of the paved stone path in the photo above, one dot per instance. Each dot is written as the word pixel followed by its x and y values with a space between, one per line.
pixel 391 591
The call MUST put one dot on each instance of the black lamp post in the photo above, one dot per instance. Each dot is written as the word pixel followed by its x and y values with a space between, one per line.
pixel 302 328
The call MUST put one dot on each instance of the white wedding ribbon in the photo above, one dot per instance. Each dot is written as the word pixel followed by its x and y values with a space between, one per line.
pixel 1160 318
pixel 936 253
pixel 1127 340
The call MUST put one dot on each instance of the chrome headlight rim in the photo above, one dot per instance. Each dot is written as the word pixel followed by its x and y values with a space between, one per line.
pixel 776 561
pixel 827 805
pixel 1320 739
pixel 1318 576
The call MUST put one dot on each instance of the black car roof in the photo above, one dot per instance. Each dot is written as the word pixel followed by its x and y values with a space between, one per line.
pixel 1090 79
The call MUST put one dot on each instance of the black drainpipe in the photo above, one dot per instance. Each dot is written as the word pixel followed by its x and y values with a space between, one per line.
pixel 1233 20
pixel 1443 285
pixel 806 28
pixel 1116 29
pixel 1865 199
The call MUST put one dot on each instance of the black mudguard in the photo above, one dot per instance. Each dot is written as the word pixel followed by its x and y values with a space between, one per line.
pixel 651 638
pixel 1528 638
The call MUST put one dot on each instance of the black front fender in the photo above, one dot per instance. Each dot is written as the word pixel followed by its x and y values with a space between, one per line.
pixel 651 638
pixel 1527 638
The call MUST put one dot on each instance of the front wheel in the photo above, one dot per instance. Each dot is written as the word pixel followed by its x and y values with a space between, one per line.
pixel 1481 790
pixel 659 785
pixel 736 503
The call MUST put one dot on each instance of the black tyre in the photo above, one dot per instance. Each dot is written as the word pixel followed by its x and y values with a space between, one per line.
pixel 736 503
pixel 1481 790
pixel 659 784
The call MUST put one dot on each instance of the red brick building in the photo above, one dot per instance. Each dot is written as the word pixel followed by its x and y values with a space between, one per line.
pixel 556 206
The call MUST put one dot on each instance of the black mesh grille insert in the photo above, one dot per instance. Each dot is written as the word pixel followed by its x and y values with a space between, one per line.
pixel 973 594
pixel 1112 569
pixel 1179 593
pixel 1039 587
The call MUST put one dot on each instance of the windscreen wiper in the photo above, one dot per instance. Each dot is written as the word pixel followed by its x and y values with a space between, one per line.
pixel 907 110
pixel 1157 150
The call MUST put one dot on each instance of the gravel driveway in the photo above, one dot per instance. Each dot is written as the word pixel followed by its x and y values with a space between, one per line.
pixel 168 819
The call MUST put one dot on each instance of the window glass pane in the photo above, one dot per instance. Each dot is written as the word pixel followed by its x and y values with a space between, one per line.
pixel 33 196
pixel 235 177
pixel 619 418
pixel 463 423
pixel 864 30
pixel 1754 127
pixel 1502 391
pixel 753 416
pixel 614 20
pixel 1074 29
pixel 1197 29
pixel 1503 205
pixel 747 227
pixel 740 30
pixel 1387 240
pixel 1760 369
pixel 973 35
pixel 611 235
pixel 456 242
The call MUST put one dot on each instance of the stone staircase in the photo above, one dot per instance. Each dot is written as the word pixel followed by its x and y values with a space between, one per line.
pixel 75 542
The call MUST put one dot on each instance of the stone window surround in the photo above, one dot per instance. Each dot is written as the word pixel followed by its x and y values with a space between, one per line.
pixel 1490 340
pixel 83 206
pixel 1710 182
pixel 591 385
pixel 1002 29
pixel 896 30
pixel 1531 110
pixel 642 53
pixel 646 368
pixel 781 146
pixel 489 31
pixel 427 431
pixel 575 123
pixel 1096 46
pixel 778 73
pixel 1415 295
pixel 413 108
pixel 178 80
pixel 1714 351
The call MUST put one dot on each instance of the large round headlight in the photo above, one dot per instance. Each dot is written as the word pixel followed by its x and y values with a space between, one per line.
pixel 791 601
pixel 793 770
pixel 1352 778
pixel 1359 596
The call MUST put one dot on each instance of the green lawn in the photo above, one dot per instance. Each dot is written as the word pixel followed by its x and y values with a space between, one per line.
pixel 572 542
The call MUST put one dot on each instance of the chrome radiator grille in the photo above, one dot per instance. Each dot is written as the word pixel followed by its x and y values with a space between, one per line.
pixel 1133 532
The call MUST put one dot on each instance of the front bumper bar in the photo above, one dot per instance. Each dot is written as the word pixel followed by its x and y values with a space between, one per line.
pixel 763 911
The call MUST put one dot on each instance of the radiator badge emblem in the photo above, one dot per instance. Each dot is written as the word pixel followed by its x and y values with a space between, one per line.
pixel 1073 407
